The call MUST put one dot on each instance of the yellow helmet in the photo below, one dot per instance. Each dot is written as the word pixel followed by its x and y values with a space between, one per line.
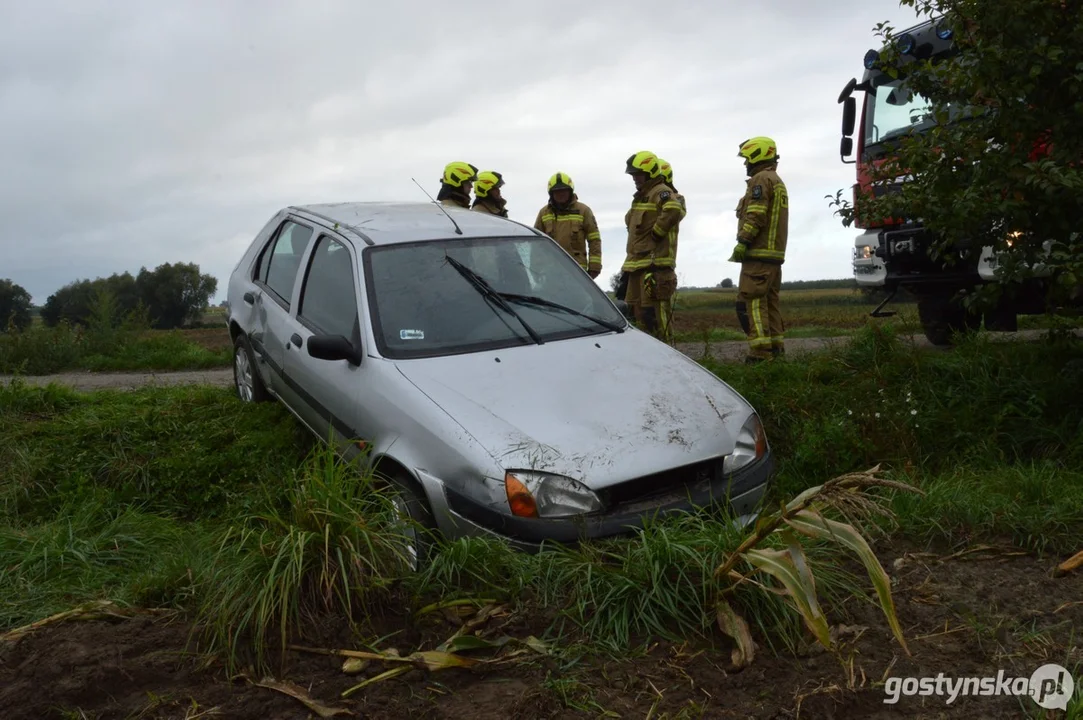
pixel 457 173
pixel 645 162
pixel 666 170
pixel 757 150
pixel 561 181
pixel 488 180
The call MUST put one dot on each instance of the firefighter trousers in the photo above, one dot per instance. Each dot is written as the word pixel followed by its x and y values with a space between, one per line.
pixel 758 310
pixel 650 296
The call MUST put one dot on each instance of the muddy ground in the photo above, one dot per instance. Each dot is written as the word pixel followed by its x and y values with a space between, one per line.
pixel 970 615
pixel 216 338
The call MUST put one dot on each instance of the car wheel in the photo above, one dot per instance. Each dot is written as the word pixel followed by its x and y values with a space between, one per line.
pixel 246 379
pixel 418 527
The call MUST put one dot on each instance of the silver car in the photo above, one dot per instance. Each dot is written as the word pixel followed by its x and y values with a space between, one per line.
pixel 500 391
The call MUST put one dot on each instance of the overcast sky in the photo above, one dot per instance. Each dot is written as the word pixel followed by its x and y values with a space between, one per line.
pixel 137 133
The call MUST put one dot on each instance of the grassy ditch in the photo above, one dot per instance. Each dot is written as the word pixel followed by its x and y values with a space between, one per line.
pixel 185 498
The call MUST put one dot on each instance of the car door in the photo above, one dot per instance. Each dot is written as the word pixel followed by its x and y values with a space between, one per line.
pixel 277 277
pixel 330 392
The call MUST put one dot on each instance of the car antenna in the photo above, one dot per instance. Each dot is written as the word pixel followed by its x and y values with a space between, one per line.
pixel 457 228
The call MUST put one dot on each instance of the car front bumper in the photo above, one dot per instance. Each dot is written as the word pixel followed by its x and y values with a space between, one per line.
pixel 739 495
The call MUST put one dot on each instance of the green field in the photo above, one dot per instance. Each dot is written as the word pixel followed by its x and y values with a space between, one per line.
pixel 228 545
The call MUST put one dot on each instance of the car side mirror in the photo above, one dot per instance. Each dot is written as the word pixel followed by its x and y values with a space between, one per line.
pixel 849 116
pixel 333 347
pixel 846 147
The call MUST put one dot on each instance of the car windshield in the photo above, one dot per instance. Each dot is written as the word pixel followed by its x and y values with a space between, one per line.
pixel 424 302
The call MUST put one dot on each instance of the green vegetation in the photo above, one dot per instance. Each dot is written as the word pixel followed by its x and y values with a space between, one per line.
pixel 15 307
pixel 1015 79
pixel 186 498
pixel 43 350
pixel 108 340
pixel 169 296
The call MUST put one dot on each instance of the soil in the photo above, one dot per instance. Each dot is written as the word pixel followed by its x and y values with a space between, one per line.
pixel 217 338
pixel 962 616
pixel 212 338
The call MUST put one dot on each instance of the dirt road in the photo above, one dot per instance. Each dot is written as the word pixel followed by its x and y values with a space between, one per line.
pixel 731 351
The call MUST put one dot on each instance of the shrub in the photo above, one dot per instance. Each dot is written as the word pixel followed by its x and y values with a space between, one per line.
pixel 14 307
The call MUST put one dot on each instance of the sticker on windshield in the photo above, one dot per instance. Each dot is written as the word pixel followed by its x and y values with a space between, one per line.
pixel 411 334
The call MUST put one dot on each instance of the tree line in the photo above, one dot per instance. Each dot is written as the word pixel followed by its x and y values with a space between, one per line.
pixel 170 296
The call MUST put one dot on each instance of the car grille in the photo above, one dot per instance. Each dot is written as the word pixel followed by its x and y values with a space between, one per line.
pixel 675 482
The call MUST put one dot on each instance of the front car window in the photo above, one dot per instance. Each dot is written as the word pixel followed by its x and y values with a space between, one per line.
pixel 423 307
pixel 328 297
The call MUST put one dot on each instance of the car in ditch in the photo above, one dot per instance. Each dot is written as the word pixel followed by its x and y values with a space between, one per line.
pixel 482 375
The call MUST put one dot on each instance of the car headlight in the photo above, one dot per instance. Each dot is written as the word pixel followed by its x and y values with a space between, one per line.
pixel 751 445
pixel 544 495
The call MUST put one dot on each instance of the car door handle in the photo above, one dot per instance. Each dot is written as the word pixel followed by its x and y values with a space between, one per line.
pixel 250 298
pixel 295 339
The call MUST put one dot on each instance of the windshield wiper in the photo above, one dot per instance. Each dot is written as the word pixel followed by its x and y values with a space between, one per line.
pixel 535 300
pixel 492 296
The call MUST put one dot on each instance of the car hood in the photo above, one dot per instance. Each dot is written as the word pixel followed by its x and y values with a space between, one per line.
pixel 601 409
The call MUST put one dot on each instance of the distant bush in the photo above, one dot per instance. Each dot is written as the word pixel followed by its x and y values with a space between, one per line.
pixel 170 296
pixel 14 307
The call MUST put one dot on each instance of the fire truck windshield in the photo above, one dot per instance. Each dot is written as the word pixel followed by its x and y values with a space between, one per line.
pixel 892 110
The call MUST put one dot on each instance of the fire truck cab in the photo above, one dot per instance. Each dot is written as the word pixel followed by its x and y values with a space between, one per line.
pixel 894 255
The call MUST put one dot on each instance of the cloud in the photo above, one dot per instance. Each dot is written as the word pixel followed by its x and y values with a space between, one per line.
pixel 138 133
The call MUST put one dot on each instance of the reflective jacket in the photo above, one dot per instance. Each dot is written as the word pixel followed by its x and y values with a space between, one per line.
pixel 455 202
pixel 574 229
pixel 453 197
pixel 491 206
pixel 763 216
pixel 652 223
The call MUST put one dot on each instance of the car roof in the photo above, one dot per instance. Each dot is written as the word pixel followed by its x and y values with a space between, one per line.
pixel 383 223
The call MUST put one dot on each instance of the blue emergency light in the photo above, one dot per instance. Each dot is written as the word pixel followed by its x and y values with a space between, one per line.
pixel 871 58
pixel 906 44
pixel 943 32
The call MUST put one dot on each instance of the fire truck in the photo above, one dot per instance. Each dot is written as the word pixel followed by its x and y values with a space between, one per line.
pixel 894 255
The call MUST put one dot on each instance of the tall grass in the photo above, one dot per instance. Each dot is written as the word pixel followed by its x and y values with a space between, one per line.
pixel 1036 506
pixel 94 551
pixel 333 548
pixel 619 593
pixel 880 400
pixel 191 452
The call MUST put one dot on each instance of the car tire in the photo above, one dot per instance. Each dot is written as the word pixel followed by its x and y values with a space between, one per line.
pixel 411 501
pixel 246 380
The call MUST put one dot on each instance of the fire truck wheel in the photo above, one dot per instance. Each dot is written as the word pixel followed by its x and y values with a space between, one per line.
pixel 1002 320
pixel 942 317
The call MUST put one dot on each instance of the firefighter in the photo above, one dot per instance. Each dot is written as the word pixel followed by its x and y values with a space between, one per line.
pixel 571 224
pixel 667 174
pixel 487 195
pixel 762 226
pixel 456 183
pixel 650 262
